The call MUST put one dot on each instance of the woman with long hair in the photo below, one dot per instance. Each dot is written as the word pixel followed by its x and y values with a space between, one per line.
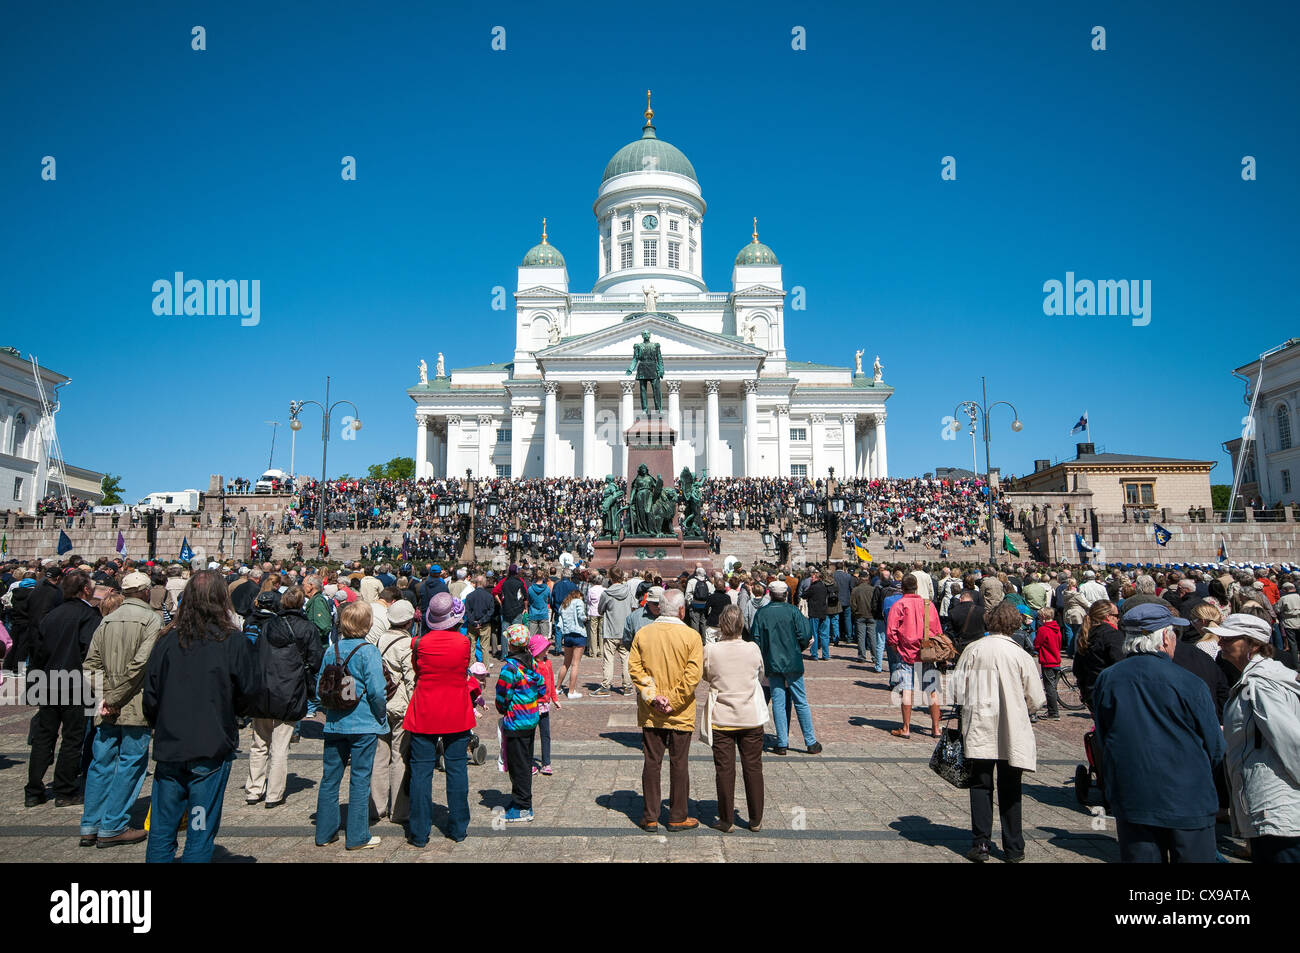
pixel 200 679
pixel 572 628
pixel 1100 645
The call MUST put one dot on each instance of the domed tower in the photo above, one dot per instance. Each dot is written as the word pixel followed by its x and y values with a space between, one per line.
pixel 541 299
pixel 758 300
pixel 649 218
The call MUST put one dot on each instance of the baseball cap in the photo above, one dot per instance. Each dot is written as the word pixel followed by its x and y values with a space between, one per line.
pixel 779 587
pixel 655 594
pixel 136 580
pixel 1151 617
pixel 400 613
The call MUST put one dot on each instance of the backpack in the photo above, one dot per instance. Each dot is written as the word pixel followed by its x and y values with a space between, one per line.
pixel 337 688
pixel 701 593
pixel 254 624
pixel 832 597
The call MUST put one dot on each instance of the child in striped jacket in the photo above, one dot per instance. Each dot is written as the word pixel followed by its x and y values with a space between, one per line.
pixel 520 688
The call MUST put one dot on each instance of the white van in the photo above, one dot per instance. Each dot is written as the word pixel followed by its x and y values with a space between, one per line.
pixel 272 479
pixel 176 501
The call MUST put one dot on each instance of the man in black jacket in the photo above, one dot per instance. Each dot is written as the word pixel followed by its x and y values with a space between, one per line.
pixel 56 685
pixel 28 611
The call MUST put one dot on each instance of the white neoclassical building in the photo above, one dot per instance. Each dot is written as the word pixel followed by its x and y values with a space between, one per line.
pixel 560 404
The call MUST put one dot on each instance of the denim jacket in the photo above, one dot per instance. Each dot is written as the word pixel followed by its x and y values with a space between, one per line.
pixel 370 717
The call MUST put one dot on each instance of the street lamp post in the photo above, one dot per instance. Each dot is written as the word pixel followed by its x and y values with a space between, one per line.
pixel 327 410
pixel 980 411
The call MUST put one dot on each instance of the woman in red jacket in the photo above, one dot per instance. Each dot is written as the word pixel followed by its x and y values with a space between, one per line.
pixel 440 710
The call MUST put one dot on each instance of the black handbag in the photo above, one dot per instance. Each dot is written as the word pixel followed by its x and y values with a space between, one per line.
pixel 949 758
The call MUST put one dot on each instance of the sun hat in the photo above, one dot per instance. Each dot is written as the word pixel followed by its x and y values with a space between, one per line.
pixel 537 645
pixel 1243 625
pixel 400 613
pixel 444 612
pixel 478 668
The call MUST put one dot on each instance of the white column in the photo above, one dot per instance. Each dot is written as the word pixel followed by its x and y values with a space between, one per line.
pixel 711 459
pixel 453 444
pixel 589 429
pixel 518 452
pixel 751 428
pixel 882 463
pixel 783 440
pixel 850 431
pixel 551 434
pixel 421 446
pixel 624 421
pixel 675 420
pixel 869 447
pixel 817 437
pixel 487 435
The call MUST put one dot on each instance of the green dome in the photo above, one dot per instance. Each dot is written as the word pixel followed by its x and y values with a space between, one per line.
pixel 649 154
pixel 543 256
pixel 756 253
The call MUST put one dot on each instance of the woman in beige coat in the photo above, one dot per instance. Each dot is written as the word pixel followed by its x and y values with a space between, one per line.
pixel 390 789
pixel 998 686
pixel 734 717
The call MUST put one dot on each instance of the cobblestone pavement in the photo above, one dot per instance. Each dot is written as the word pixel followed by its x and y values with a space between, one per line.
pixel 867 797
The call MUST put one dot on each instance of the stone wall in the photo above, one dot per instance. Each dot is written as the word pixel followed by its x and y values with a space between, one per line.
pixel 94 536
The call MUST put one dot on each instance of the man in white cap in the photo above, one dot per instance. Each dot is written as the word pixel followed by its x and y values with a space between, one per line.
pixel 116 662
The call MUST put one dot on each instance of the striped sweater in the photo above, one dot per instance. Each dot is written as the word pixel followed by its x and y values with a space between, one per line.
pixel 519 692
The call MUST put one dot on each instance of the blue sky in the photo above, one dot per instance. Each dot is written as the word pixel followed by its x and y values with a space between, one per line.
pixel 1123 164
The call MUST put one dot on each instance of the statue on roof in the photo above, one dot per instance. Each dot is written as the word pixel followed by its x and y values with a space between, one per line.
pixel 651 297
pixel 441 370
pixel 857 357
pixel 424 372
pixel 878 370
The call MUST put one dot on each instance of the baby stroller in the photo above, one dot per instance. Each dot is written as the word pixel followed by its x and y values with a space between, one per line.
pixel 1089 775
pixel 478 751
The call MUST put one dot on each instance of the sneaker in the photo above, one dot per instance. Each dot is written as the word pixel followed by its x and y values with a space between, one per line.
pixel 600 693
pixel 536 769
pixel 546 770
pixel 373 842
pixel 815 748
pixel 574 695
pixel 332 840
pixel 515 816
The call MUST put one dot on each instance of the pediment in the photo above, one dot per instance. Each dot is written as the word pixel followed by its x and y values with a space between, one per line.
pixel 674 338
pixel 540 291
pixel 759 291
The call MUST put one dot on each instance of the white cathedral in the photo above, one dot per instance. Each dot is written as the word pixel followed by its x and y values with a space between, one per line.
pixel 560 406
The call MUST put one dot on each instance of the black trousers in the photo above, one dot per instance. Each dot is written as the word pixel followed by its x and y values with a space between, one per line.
pixel 519 759
pixel 1050 675
pixel 50 721
pixel 981 804
pixel 1143 844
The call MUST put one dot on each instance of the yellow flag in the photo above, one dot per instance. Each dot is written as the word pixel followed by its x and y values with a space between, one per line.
pixel 860 550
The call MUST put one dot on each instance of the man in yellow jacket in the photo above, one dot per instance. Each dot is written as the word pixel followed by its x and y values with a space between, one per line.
pixel 665 663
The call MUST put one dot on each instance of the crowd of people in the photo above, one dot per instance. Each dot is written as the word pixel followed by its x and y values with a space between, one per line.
pixel 552 516
pixel 1190 675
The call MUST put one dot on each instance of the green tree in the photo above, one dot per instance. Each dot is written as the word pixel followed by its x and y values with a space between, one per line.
pixel 111 487
pixel 1219 493
pixel 398 468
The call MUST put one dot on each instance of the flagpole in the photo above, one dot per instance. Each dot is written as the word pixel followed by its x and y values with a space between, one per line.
pixel 1087 426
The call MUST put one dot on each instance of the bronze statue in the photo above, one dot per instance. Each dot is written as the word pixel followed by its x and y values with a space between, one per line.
pixel 648 364
pixel 689 489
pixel 610 504
pixel 642 497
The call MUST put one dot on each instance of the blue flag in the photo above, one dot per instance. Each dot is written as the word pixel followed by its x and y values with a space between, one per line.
pixel 186 553
pixel 1082 424
pixel 65 544
pixel 1162 535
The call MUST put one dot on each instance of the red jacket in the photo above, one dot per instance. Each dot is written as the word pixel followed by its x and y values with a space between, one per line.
pixel 441 701
pixel 1048 644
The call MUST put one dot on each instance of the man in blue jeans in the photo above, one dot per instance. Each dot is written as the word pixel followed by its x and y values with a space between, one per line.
pixel 782 634
pixel 179 786
pixel 115 665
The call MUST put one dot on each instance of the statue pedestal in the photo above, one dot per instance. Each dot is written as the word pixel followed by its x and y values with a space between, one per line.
pixel 650 441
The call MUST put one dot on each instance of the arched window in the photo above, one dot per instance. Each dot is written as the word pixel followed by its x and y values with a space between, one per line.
pixel 1283 428
pixel 20 435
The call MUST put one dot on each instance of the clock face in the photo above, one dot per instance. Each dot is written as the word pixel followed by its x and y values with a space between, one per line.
pixel 650 222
